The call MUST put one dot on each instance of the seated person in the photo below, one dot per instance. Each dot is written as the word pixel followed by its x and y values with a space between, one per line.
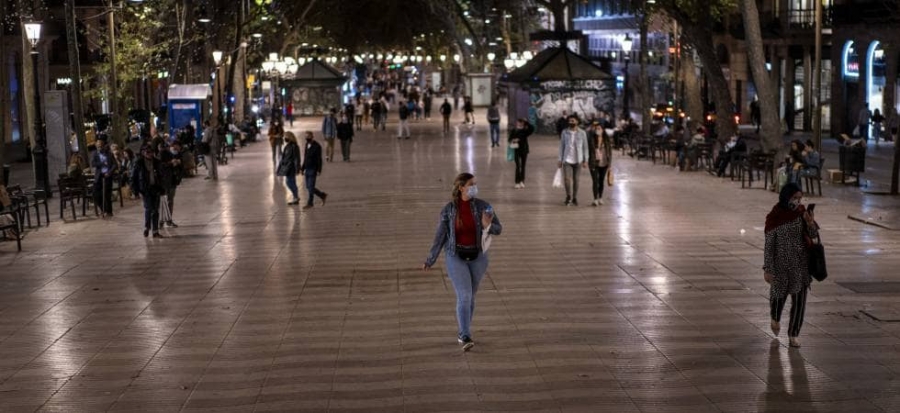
pixel 796 160
pixel 689 151
pixel 735 145
pixel 811 158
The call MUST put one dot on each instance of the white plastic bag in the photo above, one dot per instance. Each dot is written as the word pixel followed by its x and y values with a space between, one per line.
pixel 164 214
pixel 558 178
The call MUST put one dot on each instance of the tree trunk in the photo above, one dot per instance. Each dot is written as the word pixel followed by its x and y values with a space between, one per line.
pixel 238 36
pixel 693 104
pixel 771 124
pixel 240 85
pixel 642 78
pixel 702 40
pixel 29 82
pixel 115 105
pixel 75 71
pixel 890 106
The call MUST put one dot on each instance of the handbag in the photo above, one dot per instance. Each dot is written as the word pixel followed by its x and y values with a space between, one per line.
pixel 467 253
pixel 609 177
pixel 816 261
pixel 510 153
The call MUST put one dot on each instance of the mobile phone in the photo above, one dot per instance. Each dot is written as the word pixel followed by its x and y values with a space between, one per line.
pixel 811 207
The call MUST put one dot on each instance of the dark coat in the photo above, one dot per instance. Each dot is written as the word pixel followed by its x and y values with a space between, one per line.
pixel 522 135
pixel 592 149
pixel 345 131
pixel 312 159
pixel 140 178
pixel 290 160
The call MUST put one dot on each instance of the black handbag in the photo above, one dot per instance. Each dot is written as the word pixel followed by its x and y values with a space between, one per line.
pixel 467 253
pixel 816 261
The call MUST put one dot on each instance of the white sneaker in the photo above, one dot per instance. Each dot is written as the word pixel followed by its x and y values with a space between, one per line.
pixel 516 186
pixel 522 185
pixel 595 203
pixel 600 201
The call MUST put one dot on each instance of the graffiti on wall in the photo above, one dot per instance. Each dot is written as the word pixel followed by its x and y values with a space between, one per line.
pixel 586 98
pixel 310 101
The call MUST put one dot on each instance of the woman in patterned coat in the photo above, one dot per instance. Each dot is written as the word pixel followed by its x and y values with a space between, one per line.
pixel 790 230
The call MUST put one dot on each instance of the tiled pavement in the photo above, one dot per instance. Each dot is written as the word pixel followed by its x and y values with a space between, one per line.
pixel 654 302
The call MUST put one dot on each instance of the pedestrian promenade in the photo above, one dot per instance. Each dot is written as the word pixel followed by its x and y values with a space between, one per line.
pixel 653 302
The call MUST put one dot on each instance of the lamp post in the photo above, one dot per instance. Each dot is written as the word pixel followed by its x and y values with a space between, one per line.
pixel 217 58
pixel 626 50
pixel 39 151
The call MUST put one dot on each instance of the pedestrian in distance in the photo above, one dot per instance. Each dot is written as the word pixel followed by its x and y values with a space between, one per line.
pixel 345 135
pixel 105 168
pixel 573 156
pixel 146 181
pixel 469 110
pixel 493 118
pixel 289 111
pixel 172 173
pixel 403 128
pixel 462 224
pixel 329 133
pixel 276 140
pixel 210 143
pixel 289 166
pixel 863 122
pixel 312 168
pixel 599 160
pixel 790 230
pixel 518 141
pixel 446 110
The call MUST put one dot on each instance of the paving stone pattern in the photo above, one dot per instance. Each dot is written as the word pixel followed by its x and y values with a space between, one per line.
pixel 654 302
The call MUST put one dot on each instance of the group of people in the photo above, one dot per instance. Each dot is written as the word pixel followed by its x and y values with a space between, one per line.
pixel 580 149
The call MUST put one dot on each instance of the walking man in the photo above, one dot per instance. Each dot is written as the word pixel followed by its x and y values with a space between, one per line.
pixel 864 116
pixel 211 158
pixel 329 132
pixel 446 110
pixel 345 134
pixel 105 167
pixel 493 118
pixel 312 168
pixel 403 129
pixel 573 151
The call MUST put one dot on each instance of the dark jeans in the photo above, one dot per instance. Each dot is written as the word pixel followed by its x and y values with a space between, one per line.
pixel 598 179
pixel 520 158
pixel 446 123
pixel 495 134
pixel 311 189
pixel 291 181
pixel 276 152
pixel 151 211
pixel 103 194
pixel 345 148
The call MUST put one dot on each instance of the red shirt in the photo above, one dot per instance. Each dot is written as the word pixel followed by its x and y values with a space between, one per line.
pixel 465 225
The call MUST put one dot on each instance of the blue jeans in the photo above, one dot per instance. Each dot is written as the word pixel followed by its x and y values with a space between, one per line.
pixel 310 180
pixel 291 181
pixel 151 211
pixel 495 134
pixel 465 277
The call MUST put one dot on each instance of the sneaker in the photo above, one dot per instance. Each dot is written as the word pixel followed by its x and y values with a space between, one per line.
pixel 173 224
pixel 568 201
pixel 574 202
pixel 516 186
pixel 294 202
pixel 600 201
pixel 522 185
pixel 776 327
pixel 595 203
pixel 466 343
pixel 795 342
pixel 323 196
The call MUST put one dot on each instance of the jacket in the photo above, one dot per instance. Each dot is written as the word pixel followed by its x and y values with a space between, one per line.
pixel 111 164
pixel 403 112
pixel 141 180
pixel 345 131
pixel 312 159
pixel 493 114
pixel 329 127
pixel 581 146
pixel 446 109
pixel 522 135
pixel 290 160
pixel 593 162
pixel 445 236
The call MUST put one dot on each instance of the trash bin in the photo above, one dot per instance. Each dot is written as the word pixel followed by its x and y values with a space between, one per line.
pixel 852 161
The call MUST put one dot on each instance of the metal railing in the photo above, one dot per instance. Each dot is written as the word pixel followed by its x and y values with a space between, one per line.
pixel 806 18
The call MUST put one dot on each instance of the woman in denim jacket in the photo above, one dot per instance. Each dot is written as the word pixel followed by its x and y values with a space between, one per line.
pixel 459 235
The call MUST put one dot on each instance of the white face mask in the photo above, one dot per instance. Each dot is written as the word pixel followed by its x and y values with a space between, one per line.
pixel 472 191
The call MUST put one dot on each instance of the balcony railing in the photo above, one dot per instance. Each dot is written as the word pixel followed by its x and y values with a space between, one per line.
pixel 806 18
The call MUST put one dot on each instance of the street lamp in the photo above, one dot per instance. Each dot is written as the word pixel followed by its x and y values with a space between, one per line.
pixel 217 58
pixel 39 152
pixel 626 49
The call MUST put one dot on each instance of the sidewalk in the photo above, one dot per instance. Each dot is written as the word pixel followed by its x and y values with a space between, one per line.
pixel 652 302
